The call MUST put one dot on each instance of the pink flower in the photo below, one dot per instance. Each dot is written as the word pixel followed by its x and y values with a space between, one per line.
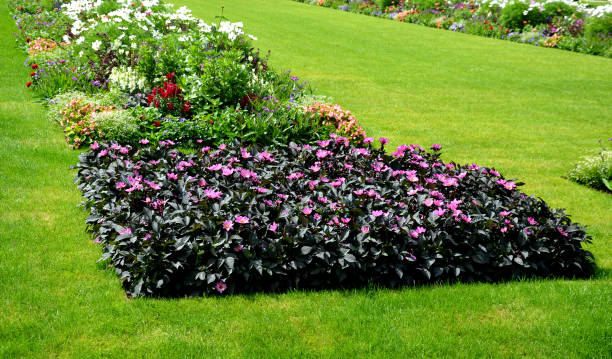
pixel 172 176
pixel 238 248
pixel 504 213
pixel 563 233
pixel 322 153
pixel 377 213
pixel 222 146
pixel 365 229
pixel 97 240
pixel 295 175
pixel 124 150
pixel 120 185
pixel 215 167
pixel 265 156
pixel 242 219
pixel 383 140
pixel 94 146
pixel 503 229
pixel 228 225
pixel 368 140
pixel 436 147
pixel 211 193
pixel 227 171
pixel 439 212
pixel 221 286
pixel 532 221
pixel 144 141
pixel 307 210
pixel 345 220
pixel 146 236
pixel 358 192
pixel 428 202
pixel 510 185
pixel 316 216
pixel 315 168
pixel 125 231
pixel 273 227
pixel 102 153
pixel 202 183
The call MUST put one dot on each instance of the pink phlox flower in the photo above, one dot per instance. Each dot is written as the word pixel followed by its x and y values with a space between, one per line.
pixel 358 192
pixel 365 229
pixel 430 180
pixel 436 147
pixel 324 143
pixel 265 156
pixel 307 210
pixel 503 229
pixel 94 146
pixel 172 176
pixel 124 150
pixel 238 248
pixel 273 227
pixel 312 184
pixel 348 167
pixel 228 225
pixel 449 166
pixel 221 287
pixel 361 151
pixel 563 233
pixel 510 185
pixel 215 167
pixel 504 213
pixel 461 175
pixel 368 140
pixel 262 190
pixel 437 194
pixel 377 213
pixel 222 146
pixel 324 179
pixel 428 202
pixel 383 140
pixel 532 221
pixel 227 171
pixel 494 173
pixel 125 231
pixel 244 153
pixel 115 146
pixel 438 202
pixel 345 220
pixel 315 168
pixel 120 185
pixel 316 216
pixel 466 218
pixel 102 153
pixel 323 153
pixel 295 175
pixel 211 193
pixel 322 200
pixel 242 219
pixel 283 196
pixel 439 212
pixel 202 183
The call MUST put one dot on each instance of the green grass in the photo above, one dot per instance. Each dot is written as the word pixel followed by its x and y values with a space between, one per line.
pixel 528 111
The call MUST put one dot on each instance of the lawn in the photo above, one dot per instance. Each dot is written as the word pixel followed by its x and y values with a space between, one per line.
pixel 530 112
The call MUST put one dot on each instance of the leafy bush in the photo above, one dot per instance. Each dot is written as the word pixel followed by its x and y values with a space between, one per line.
pixel 600 26
pixel 594 171
pixel 232 219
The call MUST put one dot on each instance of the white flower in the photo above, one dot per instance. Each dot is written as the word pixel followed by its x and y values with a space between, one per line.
pixel 96 45
pixel 252 37
pixel 81 53
pixel 80 40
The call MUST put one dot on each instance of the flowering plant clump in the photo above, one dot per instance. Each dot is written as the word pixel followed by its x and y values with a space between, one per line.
pixel 596 170
pixel 232 219
pixel 78 123
pixel 42 45
pixel 564 24
pixel 166 63
pixel 168 98
pixel 334 115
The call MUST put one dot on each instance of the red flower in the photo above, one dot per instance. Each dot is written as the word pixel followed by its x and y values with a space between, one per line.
pixel 29 84
pixel 34 67
pixel 170 76
pixel 170 106
pixel 156 123
pixel 27 39
pixel 32 73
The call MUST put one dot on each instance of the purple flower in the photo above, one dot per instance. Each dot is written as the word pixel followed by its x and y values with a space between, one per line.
pixel 221 286
pixel 436 147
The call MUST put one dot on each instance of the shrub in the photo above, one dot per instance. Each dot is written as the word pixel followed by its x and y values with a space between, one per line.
pixel 79 125
pixel 594 171
pixel 232 220
pixel 599 26
pixel 344 123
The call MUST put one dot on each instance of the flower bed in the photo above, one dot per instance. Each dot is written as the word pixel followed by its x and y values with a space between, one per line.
pixel 232 219
pixel 172 76
pixel 562 24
